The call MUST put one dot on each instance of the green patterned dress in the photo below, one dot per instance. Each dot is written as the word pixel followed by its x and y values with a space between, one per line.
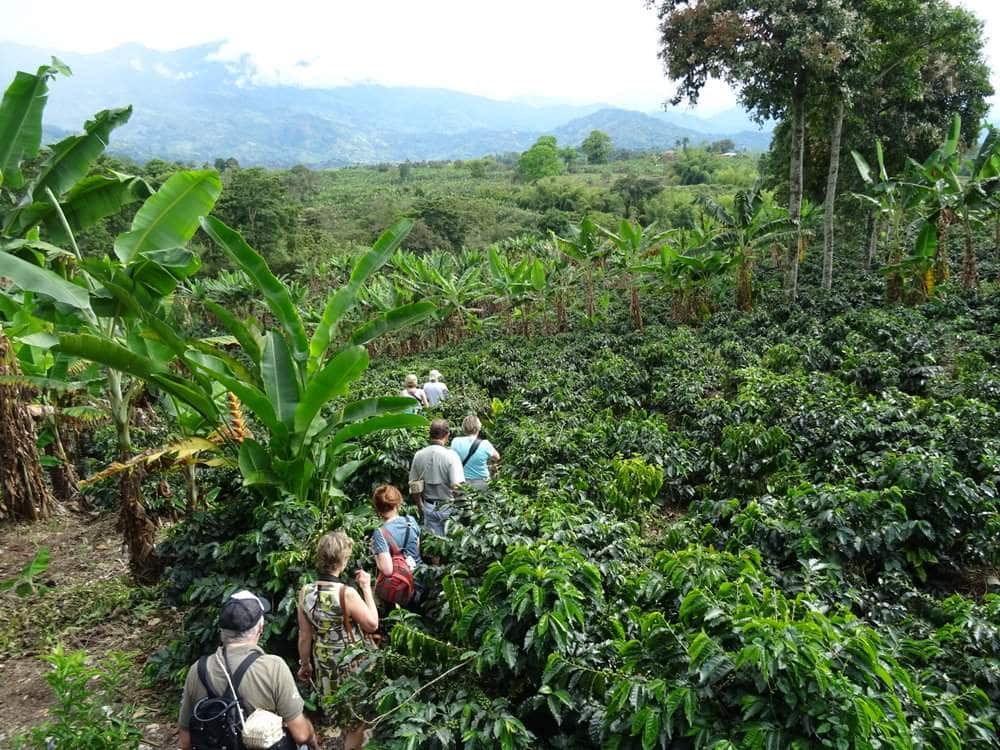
pixel 320 601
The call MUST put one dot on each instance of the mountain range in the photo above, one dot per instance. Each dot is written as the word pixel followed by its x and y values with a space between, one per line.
pixel 192 107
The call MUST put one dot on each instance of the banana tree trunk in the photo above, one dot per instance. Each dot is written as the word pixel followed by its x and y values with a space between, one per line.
pixel 65 482
pixel 137 528
pixel 831 194
pixel 744 286
pixel 25 496
pixel 872 241
pixel 798 113
pixel 635 309
pixel 970 265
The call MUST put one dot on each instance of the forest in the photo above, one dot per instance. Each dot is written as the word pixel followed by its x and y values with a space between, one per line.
pixel 748 406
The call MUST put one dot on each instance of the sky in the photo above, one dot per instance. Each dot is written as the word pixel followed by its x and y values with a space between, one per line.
pixel 579 51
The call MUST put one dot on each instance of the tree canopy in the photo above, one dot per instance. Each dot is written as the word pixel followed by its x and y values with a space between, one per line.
pixel 597 146
pixel 541 160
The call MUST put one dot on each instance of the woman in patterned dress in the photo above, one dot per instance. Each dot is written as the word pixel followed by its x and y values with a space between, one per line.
pixel 321 619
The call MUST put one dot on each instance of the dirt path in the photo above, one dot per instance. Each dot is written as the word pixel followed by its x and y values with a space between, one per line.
pixel 86 601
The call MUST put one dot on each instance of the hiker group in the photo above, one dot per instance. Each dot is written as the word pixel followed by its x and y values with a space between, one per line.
pixel 239 697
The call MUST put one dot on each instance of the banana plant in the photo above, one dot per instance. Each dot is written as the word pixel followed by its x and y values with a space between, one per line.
pixel 517 283
pixel 688 265
pixel 894 201
pixel 753 222
pixel 586 247
pixel 956 191
pixel 283 376
pixel 635 246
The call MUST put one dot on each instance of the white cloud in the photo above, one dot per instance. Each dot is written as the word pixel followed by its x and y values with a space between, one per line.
pixel 579 50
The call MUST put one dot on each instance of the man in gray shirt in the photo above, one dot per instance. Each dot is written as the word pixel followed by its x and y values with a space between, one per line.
pixel 441 471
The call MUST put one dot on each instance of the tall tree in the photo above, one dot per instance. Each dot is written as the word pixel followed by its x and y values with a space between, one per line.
pixel 597 147
pixel 919 62
pixel 541 160
pixel 771 52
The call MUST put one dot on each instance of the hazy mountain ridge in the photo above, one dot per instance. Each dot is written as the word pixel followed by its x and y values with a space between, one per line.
pixel 190 107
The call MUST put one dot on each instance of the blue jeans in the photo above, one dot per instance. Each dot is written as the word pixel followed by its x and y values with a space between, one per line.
pixel 435 514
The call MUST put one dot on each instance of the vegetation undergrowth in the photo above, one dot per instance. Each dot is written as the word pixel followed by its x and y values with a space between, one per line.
pixel 774 530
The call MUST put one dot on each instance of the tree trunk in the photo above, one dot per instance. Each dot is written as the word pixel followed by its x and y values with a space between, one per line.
pixel 970 266
pixel 831 194
pixel 795 188
pixel 635 309
pixel 24 494
pixel 744 286
pixel 65 482
pixel 872 243
pixel 137 528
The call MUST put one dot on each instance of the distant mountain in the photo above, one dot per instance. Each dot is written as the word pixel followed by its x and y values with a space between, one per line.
pixel 192 107
pixel 635 130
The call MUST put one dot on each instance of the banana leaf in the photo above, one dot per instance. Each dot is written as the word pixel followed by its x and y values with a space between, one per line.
pixel 169 218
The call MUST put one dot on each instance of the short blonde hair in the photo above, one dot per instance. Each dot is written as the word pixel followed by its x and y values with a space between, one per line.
pixel 333 552
pixel 471 425
pixel 411 381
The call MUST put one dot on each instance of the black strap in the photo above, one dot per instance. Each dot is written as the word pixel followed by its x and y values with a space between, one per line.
pixel 237 676
pixel 475 446
pixel 203 676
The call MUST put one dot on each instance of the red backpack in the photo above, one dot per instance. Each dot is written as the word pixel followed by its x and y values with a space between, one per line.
pixel 397 587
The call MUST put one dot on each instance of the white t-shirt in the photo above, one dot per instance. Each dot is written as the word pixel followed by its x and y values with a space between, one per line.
pixel 440 468
pixel 435 391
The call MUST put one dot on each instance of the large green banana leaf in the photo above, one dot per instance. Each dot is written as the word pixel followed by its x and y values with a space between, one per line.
pixel 382 422
pixel 281 383
pixel 372 407
pixel 21 120
pixel 32 278
pixel 328 383
pixel 71 158
pixel 239 330
pixel 275 293
pixel 169 218
pixel 90 200
pixel 343 299
pixel 393 320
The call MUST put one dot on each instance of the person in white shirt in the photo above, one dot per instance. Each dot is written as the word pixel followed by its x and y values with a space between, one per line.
pixel 435 390
pixel 439 470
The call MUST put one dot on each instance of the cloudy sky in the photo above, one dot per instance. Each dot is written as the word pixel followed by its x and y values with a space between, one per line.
pixel 572 50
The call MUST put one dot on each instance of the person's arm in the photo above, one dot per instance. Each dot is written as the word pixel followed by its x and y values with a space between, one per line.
pixel 363 611
pixel 305 644
pixel 423 399
pixel 380 552
pixel 457 472
pixel 302 732
pixel 383 561
pixel 184 738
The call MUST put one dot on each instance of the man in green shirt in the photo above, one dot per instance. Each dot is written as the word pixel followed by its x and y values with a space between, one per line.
pixel 268 682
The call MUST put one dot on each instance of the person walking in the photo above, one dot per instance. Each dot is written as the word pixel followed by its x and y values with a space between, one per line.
pixel 435 389
pixel 260 681
pixel 475 453
pixel 412 389
pixel 330 613
pixel 403 532
pixel 435 476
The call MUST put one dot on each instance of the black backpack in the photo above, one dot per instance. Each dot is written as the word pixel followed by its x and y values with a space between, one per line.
pixel 215 720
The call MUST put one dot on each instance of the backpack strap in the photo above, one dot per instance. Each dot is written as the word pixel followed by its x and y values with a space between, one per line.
pixel 472 450
pixel 406 538
pixel 203 676
pixel 393 548
pixel 236 678
pixel 348 625
pixel 242 669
